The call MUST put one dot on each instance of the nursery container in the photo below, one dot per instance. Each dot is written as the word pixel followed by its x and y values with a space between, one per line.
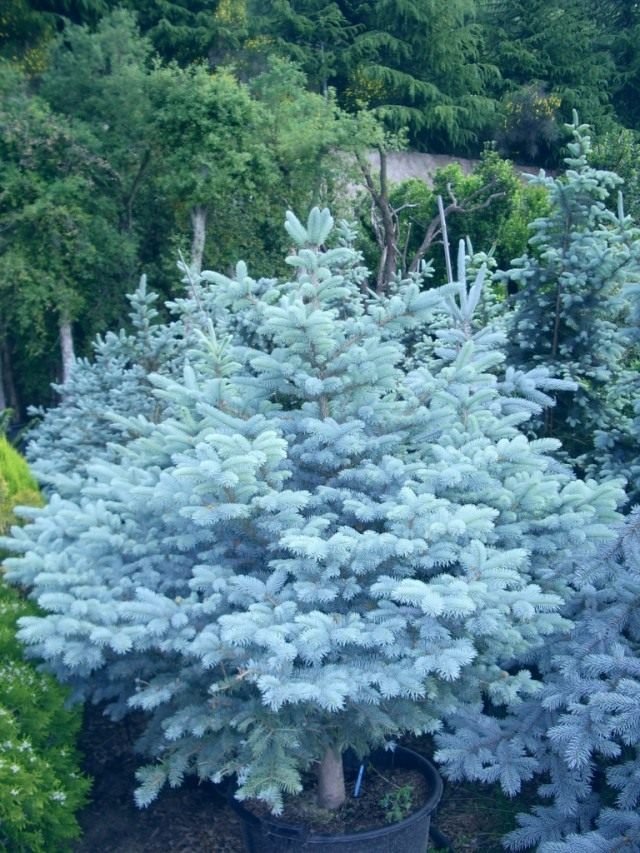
pixel 270 835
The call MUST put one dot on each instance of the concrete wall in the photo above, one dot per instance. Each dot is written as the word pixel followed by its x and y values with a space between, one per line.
pixel 411 164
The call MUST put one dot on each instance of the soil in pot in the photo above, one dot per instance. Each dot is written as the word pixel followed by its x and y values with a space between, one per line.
pixel 386 797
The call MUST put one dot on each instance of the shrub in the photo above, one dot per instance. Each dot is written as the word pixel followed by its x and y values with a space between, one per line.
pixel 17 486
pixel 41 787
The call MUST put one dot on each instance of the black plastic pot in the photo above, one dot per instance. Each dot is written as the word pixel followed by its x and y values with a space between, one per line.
pixel 270 835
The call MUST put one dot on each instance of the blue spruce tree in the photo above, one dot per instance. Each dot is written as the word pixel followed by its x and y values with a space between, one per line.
pixel 582 731
pixel 316 548
pixel 572 302
pixel 84 424
pixel 617 450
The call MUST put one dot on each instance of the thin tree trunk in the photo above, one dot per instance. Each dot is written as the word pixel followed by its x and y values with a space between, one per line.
pixel 66 347
pixel 199 225
pixel 389 262
pixel 445 240
pixel 331 788
pixel 135 186
pixel 9 388
pixel 3 396
pixel 385 228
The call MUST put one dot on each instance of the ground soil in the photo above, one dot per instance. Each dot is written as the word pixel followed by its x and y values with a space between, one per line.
pixel 384 798
pixel 196 818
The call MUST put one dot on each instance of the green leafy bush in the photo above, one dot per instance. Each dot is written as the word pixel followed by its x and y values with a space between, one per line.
pixel 17 486
pixel 41 787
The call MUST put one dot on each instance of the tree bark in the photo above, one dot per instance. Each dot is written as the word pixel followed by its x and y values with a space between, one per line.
pixel 331 788
pixel 66 348
pixel 389 261
pixel 3 396
pixel 8 384
pixel 199 225
pixel 385 229
pixel 135 186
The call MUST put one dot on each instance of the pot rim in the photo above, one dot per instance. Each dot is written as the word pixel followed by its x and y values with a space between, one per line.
pixel 426 767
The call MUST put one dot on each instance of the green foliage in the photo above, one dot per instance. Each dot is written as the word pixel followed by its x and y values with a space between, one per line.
pixel 304 132
pixel 105 166
pixel 41 787
pixel 397 803
pixel 414 62
pixel 188 31
pixel 530 130
pixel 103 78
pixel 417 64
pixel 491 208
pixel 6 416
pixel 211 156
pixel 241 154
pixel 59 224
pixel 548 49
pixel 315 34
pixel 621 22
pixel 17 486
pixel 619 151
pixel 530 203
pixel 496 205
pixel 24 35
pixel 108 163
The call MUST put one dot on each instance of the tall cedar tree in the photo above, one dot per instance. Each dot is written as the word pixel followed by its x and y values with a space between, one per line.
pixel 416 63
pixel 558 44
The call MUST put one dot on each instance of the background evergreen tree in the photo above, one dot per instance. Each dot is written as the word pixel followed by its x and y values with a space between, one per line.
pixel 101 77
pixel 559 47
pixel 197 31
pixel 620 20
pixel 315 34
pixel 572 296
pixel 84 425
pixel 418 64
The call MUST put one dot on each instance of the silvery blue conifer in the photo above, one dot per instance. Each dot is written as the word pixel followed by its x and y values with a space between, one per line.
pixel 317 547
pixel 84 424
pixel 617 450
pixel 582 731
pixel 570 312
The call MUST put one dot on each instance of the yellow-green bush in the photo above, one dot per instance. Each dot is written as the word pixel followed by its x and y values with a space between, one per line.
pixel 41 786
pixel 17 486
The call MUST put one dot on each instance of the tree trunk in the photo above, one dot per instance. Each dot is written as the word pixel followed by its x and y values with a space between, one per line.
pixel 135 186
pixel 331 789
pixel 3 396
pixel 383 219
pixel 66 348
pixel 8 384
pixel 389 260
pixel 199 225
